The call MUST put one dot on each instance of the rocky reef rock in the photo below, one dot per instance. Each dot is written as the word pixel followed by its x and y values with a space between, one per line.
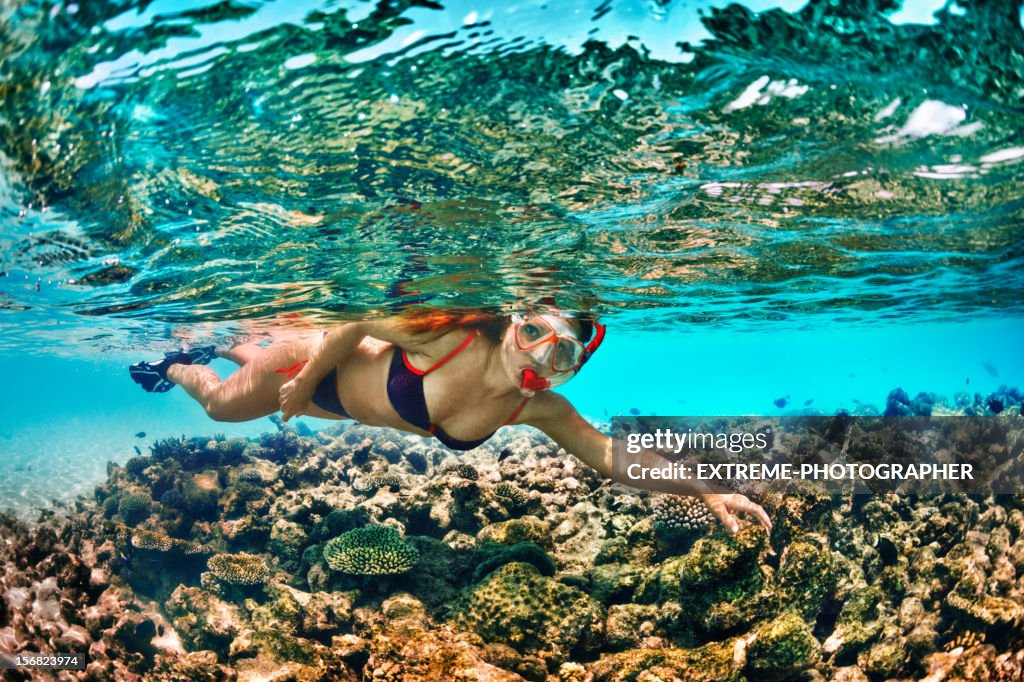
pixel 275 559
pixel 518 606
pixel 710 663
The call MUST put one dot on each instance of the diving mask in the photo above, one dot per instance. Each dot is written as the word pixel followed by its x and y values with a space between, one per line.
pixel 551 343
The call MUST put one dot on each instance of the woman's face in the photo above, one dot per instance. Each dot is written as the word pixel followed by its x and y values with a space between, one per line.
pixel 532 332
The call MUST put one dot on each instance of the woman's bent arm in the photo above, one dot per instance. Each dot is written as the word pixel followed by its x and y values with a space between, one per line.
pixel 559 420
pixel 337 343
pixel 335 346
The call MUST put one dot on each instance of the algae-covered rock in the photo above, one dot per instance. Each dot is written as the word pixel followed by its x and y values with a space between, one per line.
pixel 782 648
pixel 718 582
pixel 492 556
pixel 613 583
pixel 418 651
pixel 514 531
pixel 806 577
pixel 202 620
pixel 282 613
pixel 201 493
pixel 857 624
pixel 885 659
pixel 374 550
pixel 710 663
pixel 718 559
pixel 440 571
pixel 518 606
pixel 327 614
pixel 796 515
pixel 636 625
pixel 287 541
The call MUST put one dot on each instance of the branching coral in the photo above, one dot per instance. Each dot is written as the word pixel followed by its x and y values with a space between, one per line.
pixel 466 471
pixel 133 507
pixel 136 465
pixel 680 513
pixel 511 495
pixel 239 569
pixel 250 476
pixel 374 482
pixel 375 550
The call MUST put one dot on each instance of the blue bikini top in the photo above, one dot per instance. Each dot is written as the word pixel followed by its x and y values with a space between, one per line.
pixel 405 390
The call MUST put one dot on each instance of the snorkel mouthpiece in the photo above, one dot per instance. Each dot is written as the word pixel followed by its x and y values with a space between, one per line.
pixel 533 381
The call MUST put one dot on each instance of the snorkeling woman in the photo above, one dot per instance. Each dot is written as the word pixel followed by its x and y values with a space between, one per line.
pixel 454 376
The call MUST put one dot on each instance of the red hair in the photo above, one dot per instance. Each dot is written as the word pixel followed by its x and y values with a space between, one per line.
pixel 443 321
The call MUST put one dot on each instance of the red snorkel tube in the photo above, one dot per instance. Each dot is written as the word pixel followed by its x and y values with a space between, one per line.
pixel 594 344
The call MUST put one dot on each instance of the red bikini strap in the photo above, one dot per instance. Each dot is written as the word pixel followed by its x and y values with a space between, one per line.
pixel 292 372
pixel 440 362
pixel 518 410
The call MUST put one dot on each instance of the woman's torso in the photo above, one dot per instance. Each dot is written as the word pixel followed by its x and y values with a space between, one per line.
pixel 456 397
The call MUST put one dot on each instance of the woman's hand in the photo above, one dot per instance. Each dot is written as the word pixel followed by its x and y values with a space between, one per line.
pixel 296 395
pixel 726 506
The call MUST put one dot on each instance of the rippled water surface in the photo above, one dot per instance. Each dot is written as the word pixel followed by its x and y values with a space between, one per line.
pixel 199 162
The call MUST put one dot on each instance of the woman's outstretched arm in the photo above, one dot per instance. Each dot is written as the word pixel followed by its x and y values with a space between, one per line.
pixel 555 416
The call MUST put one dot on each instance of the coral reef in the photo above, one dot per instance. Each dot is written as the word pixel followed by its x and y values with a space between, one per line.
pixel 239 569
pixel 375 550
pixel 133 507
pixel 373 482
pixel 463 470
pixel 539 616
pixel 680 513
pixel 511 495
pixel 274 559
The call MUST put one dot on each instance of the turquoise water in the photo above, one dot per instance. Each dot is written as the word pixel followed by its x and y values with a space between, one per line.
pixel 782 200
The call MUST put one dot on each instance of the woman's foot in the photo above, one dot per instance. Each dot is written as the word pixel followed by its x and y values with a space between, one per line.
pixel 203 355
pixel 152 376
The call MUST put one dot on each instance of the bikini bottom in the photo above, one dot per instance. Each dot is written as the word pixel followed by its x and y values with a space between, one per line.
pixel 325 396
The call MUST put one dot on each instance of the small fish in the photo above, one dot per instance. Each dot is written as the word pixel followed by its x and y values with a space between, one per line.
pixel 137 451
pixel 140 434
pixel 857 402
pixel 808 402
pixel 634 411
pixel 780 402
pixel 886 550
pixel 990 368
pixel 968 382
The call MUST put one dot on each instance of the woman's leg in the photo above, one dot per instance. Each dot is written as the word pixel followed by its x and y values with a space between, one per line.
pixel 251 392
pixel 241 353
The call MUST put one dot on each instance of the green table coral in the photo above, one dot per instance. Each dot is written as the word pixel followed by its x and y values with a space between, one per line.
pixel 374 550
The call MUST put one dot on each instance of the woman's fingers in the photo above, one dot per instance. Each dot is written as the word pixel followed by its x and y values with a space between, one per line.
pixel 720 508
pixel 726 506
pixel 287 399
pixel 742 504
